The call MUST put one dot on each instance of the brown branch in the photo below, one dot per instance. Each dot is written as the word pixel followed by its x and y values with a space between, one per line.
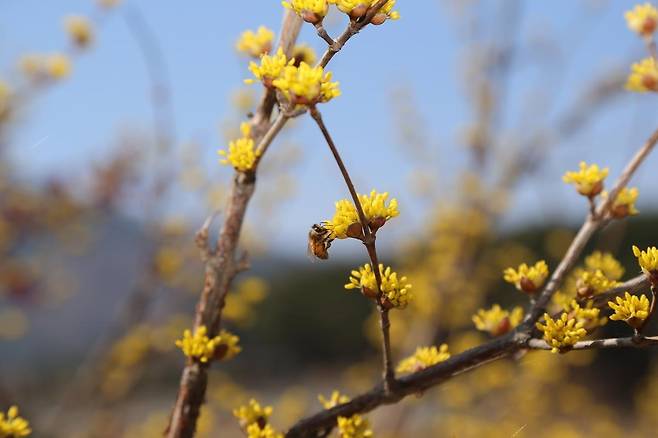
pixel 633 342
pixel 369 240
pixel 352 29
pixel 322 33
pixel 222 265
pixel 592 224
pixel 633 286
pixel 415 383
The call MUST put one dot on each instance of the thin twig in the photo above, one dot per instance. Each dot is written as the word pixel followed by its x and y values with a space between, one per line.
pixel 632 341
pixel 369 240
pixel 322 33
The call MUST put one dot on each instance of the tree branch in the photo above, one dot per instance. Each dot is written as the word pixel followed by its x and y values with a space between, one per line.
pixel 633 342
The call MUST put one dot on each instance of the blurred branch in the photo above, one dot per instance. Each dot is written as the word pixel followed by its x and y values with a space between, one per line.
pixel 634 342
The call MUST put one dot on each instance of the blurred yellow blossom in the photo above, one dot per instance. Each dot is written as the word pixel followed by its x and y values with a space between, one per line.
pixel 348 427
pixel 527 278
pixel 606 263
pixel 648 261
pixel 395 291
pixel 590 283
pixel 270 68
pixel 255 43
pixel 241 152
pixel 643 76
pixel 354 427
pixel 588 315
pixel 79 30
pixel 312 11
pixel 12 425
pixel 624 203
pixel 304 53
pixel 642 19
pixel 346 223
pixel 108 3
pixel 200 347
pixel 306 85
pixel 58 65
pixel 255 430
pixel 423 357
pixel 252 413
pixel 588 180
pixel 168 261
pixel 631 309
pixel 497 321
pixel 563 332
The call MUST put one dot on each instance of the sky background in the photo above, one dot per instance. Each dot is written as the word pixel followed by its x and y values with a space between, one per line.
pixel 72 126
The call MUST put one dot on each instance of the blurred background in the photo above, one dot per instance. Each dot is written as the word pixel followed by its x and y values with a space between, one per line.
pixel 468 112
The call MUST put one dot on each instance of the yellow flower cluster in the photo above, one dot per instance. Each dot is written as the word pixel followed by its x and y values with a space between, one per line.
pixel 241 152
pixel 593 282
pixel 606 263
pixel 348 427
pixel 200 347
pixel 527 278
pixel 588 315
pixel 12 425
pixel 346 223
pixel 395 291
pixel 311 11
pixel 630 309
pixel 563 332
pixel 270 68
pixel 254 420
pixel 624 203
pixel 588 180
pixel 497 321
pixel 423 357
pixel 643 76
pixel 79 30
pixel 358 8
pixel 306 85
pixel 642 19
pixel 648 261
pixel 256 43
pixel 38 67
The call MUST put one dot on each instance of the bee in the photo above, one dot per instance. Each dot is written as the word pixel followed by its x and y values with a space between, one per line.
pixel 319 241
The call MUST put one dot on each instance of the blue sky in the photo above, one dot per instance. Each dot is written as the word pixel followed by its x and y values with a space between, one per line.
pixel 71 126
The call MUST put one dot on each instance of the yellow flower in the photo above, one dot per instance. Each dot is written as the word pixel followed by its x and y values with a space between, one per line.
pixel 31 65
pixel 588 315
pixel 108 3
pixel 270 68
pixel 354 427
pixel 254 430
pixel 642 19
pixel 527 278
pixel 588 180
pixel 13 426
pixel 200 347
pixel 311 11
pixel 255 43
pixel 423 357
pixel 624 203
pixel 79 30
pixel 58 66
pixel 252 413
pixel 348 427
pixel 306 85
pixel 168 261
pixel 241 152
pixel 346 223
pixel 643 77
pixel 563 332
pixel 334 400
pixel 5 110
pixel 648 261
pixel 386 12
pixel 590 283
pixel 630 309
pixel 395 292
pixel 497 321
pixel 304 53
pixel 606 263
